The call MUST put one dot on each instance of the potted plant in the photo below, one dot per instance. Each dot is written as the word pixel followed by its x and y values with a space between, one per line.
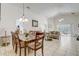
pixel 26 34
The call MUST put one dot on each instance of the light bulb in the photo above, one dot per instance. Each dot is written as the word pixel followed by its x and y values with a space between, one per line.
pixel 23 19
pixel 26 19
pixel 20 19
pixel 61 20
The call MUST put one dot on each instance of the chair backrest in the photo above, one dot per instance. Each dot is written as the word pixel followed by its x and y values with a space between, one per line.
pixel 15 37
pixel 39 38
pixel 12 33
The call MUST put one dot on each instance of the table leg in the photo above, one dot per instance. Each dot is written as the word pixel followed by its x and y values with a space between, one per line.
pixel 25 48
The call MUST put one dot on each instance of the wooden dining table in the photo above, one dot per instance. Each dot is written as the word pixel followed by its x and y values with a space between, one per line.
pixel 27 40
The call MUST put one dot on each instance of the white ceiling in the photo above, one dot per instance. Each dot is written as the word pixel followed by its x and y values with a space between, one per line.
pixel 50 9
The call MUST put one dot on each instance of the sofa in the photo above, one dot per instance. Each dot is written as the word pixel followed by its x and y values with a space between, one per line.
pixel 53 35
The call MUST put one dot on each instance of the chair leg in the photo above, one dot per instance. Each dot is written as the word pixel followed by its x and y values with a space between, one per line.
pixel 34 52
pixel 28 50
pixel 13 46
pixel 25 51
pixel 42 52
pixel 16 49
pixel 20 52
pixel 25 48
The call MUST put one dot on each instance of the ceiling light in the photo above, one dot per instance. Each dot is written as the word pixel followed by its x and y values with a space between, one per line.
pixel 61 20
pixel 23 18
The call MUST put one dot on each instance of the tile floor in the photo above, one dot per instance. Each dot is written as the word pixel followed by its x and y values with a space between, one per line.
pixel 66 46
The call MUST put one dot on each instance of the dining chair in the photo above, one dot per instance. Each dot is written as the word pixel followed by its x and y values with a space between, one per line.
pixel 14 42
pixel 37 43
pixel 18 43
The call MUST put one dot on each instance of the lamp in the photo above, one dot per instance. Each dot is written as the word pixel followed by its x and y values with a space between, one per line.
pixel 61 20
pixel 23 18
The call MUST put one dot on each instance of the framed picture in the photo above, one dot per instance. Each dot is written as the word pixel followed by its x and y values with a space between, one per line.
pixel 34 23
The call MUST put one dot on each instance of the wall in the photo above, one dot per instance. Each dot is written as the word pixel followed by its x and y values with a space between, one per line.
pixel 73 20
pixel 11 12
pixel 51 24
pixel 8 18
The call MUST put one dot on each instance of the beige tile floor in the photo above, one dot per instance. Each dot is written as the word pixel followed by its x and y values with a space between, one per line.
pixel 66 46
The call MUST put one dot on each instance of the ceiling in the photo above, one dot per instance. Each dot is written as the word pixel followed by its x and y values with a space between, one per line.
pixel 50 9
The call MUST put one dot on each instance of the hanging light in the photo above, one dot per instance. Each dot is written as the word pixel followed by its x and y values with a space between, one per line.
pixel 61 19
pixel 23 18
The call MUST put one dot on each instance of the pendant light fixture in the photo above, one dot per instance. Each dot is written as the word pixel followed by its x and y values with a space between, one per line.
pixel 23 18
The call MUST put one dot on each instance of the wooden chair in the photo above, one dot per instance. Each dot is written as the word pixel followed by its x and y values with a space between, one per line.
pixel 18 43
pixel 37 43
